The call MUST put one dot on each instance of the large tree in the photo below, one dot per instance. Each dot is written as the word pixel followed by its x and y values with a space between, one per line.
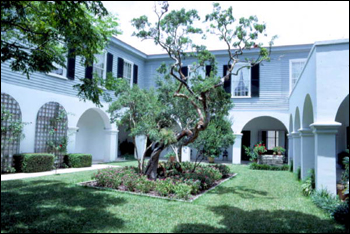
pixel 36 35
pixel 173 31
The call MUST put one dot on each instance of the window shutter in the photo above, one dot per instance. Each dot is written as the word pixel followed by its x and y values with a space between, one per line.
pixel 109 63
pixel 264 137
pixel 136 74
pixel 71 65
pixel 227 84
pixel 120 68
pixel 207 70
pixel 255 79
pixel 89 72
pixel 184 71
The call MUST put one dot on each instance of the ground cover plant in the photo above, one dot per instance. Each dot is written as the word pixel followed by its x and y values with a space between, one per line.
pixel 174 180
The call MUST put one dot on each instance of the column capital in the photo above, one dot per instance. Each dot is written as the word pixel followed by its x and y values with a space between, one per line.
pixel 305 132
pixel 295 134
pixel 326 127
pixel 73 129
pixel 238 135
pixel 112 131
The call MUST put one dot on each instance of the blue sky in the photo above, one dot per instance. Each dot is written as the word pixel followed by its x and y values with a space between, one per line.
pixel 294 22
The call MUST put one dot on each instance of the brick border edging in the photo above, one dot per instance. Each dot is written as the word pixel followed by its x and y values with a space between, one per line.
pixel 83 184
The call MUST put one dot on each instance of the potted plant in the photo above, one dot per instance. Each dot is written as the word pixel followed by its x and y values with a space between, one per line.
pixel 211 159
pixel 253 156
pixel 279 150
pixel 260 148
pixel 171 157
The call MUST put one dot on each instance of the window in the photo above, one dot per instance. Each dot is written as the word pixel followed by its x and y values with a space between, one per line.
pixel 59 71
pixel 272 139
pixel 128 71
pixel 296 67
pixel 241 83
pixel 99 67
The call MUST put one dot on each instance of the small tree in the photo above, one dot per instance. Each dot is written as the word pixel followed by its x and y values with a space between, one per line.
pixel 214 140
pixel 173 31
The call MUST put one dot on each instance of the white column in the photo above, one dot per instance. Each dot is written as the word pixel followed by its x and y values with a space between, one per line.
pixel 290 149
pixel 307 152
pixel 237 149
pixel 325 152
pixel 111 154
pixel 141 146
pixel 296 151
pixel 186 154
pixel 72 139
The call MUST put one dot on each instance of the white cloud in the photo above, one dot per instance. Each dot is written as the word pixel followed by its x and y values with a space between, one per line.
pixel 294 22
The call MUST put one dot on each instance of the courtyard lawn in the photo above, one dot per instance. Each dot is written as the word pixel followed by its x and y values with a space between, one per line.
pixel 255 201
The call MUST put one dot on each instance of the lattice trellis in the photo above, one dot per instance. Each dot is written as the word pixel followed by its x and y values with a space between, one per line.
pixel 51 131
pixel 10 144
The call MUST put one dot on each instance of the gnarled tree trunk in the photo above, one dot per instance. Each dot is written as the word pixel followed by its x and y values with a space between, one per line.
pixel 152 166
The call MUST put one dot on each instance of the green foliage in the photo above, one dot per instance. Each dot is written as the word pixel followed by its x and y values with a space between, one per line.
pixel 38 34
pixel 78 160
pixel 307 187
pixel 216 138
pixel 256 166
pixel 223 169
pixel 29 163
pixel 14 129
pixel 182 191
pixel 325 201
pixel 260 148
pixel 298 174
pixel 170 154
pixel 345 176
pixel 291 167
pixel 279 149
pixel 253 156
pixel 341 214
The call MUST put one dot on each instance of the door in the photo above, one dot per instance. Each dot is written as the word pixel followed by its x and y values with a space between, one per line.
pixel 245 142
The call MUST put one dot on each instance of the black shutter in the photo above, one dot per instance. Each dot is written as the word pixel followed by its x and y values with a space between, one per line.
pixel 120 68
pixel 71 65
pixel 184 71
pixel 136 74
pixel 109 63
pixel 256 80
pixel 227 84
pixel 207 70
pixel 264 137
pixel 89 72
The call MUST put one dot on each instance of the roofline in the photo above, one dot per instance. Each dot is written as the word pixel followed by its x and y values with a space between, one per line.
pixel 283 48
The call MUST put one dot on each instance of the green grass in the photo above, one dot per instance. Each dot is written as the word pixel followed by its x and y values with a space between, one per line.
pixel 255 201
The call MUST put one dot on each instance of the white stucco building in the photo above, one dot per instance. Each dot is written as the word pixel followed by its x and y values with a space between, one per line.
pixel 299 100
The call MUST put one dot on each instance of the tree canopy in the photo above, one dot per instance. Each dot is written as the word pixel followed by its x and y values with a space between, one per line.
pixel 36 35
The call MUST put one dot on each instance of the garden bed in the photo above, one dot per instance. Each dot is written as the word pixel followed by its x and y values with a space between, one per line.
pixel 176 181
pixel 93 184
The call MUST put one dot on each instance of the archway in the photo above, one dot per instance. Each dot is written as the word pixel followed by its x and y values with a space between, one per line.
pixel 307 143
pixel 343 133
pixel 51 131
pixel 297 121
pixel 91 137
pixel 11 116
pixel 125 142
pixel 265 129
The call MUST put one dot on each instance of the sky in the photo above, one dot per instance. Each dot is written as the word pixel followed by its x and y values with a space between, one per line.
pixel 293 22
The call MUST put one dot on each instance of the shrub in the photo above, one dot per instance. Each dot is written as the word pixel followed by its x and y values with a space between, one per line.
pixel 325 201
pixel 291 167
pixel 298 174
pixel 144 185
pixel 182 191
pixel 224 170
pixel 29 163
pixel 307 187
pixel 164 187
pixel 110 178
pixel 78 160
pixel 341 214
pixel 256 166
pixel 206 175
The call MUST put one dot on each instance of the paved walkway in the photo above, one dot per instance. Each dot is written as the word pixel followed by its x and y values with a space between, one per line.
pixel 18 176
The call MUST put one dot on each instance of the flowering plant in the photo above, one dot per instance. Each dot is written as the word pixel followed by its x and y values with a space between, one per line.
pixel 279 150
pixel 260 148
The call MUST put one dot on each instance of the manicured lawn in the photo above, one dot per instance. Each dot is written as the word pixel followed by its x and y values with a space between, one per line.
pixel 255 201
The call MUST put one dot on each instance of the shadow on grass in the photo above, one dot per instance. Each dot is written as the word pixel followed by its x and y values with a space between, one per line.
pixel 241 191
pixel 53 206
pixel 235 220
